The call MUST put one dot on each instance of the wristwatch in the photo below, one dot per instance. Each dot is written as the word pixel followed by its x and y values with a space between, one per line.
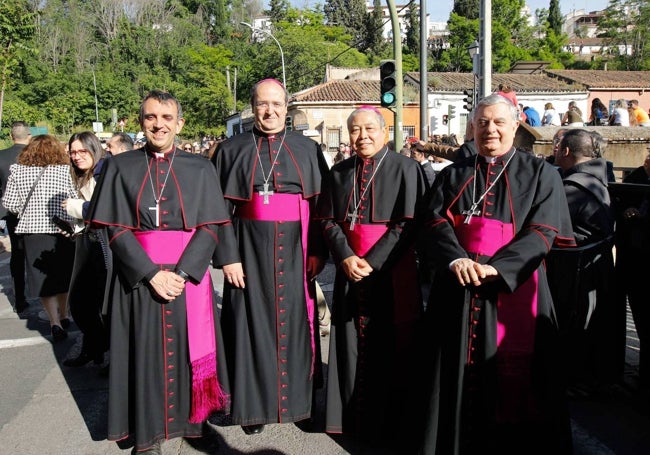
pixel 182 274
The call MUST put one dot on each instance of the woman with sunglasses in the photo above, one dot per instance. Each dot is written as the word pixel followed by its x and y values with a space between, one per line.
pixel 187 147
pixel 86 294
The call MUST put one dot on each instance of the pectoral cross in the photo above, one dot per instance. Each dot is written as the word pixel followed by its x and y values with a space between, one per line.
pixel 470 213
pixel 156 209
pixel 266 193
pixel 353 219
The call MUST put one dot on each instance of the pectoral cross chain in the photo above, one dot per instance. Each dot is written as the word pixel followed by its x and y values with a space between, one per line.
pixel 156 209
pixel 266 193
pixel 353 219
pixel 473 210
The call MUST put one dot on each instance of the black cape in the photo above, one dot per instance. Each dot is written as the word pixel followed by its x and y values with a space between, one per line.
pixel 150 393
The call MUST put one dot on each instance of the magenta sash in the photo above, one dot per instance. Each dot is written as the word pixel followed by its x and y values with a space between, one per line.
pixel 286 207
pixel 516 314
pixel 166 247
pixel 407 297
pixel 517 310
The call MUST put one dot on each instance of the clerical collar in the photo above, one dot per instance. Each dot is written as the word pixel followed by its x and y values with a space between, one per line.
pixel 378 155
pixel 259 132
pixel 159 155
pixel 494 159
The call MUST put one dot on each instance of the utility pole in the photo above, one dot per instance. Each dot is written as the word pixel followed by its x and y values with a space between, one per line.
pixel 398 138
pixel 485 52
pixel 424 83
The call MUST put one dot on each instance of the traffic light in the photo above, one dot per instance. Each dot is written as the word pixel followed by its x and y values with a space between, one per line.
pixel 445 119
pixel 388 83
pixel 451 111
pixel 288 122
pixel 434 123
pixel 469 100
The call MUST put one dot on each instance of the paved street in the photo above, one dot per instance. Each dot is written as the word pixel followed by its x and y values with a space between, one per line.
pixel 46 408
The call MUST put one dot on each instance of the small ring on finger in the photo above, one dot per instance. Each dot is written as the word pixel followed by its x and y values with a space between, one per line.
pixel 170 293
pixel 229 279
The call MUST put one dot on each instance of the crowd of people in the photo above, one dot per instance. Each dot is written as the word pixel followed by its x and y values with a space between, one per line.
pixel 120 240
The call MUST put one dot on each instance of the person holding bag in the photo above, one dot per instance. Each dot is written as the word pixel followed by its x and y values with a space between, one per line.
pixel 86 295
pixel 38 183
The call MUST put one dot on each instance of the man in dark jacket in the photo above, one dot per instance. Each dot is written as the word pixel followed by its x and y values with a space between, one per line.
pixel 20 135
pixel 594 322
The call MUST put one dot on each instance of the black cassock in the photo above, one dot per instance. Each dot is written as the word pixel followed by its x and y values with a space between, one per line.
pixel 372 339
pixel 150 379
pixel 497 381
pixel 266 329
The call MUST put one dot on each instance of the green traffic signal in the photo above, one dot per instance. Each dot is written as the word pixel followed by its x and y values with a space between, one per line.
pixel 388 99
pixel 387 83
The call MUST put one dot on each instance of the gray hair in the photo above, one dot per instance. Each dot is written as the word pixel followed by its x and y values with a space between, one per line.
pixel 20 131
pixel 494 99
pixel 360 109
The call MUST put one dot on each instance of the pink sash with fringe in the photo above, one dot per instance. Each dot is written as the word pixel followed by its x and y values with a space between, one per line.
pixel 166 247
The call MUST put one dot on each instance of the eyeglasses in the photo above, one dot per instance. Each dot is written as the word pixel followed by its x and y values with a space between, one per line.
pixel 187 148
pixel 266 104
pixel 80 152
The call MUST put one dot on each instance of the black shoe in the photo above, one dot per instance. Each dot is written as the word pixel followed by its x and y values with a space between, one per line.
pixel 83 359
pixel 20 307
pixel 58 334
pixel 65 323
pixel 155 449
pixel 306 425
pixel 252 429
pixel 105 370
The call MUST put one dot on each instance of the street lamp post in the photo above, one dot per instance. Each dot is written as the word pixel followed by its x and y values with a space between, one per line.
pixel 474 53
pixel 95 87
pixel 255 29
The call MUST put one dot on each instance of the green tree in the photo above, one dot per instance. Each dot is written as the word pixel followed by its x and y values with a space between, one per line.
pixel 278 10
pixel 554 18
pixel 412 45
pixel 626 41
pixel 351 14
pixel 335 12
pixel 16 32
pixel 374 26
pixel 468 9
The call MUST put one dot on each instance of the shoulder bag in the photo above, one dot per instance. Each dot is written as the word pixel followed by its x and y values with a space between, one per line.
pixel 31 190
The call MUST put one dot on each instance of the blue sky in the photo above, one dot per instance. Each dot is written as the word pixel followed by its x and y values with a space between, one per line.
pixel 439 10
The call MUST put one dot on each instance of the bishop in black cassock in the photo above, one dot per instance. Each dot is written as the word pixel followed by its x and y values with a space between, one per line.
pixel 367 211
pixel 496 382
pixel 271 178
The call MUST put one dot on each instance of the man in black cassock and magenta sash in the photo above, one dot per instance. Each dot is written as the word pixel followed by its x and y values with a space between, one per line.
pixel 493 340
pixel 271 178
pixel 161 207
pixel 367 211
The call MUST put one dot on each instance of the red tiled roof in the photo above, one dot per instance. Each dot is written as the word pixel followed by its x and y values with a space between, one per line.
pixel 353 91
pixel 524 83
pixel 599 79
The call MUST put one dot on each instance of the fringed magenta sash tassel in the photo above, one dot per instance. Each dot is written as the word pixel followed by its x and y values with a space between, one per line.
pixel 166 247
